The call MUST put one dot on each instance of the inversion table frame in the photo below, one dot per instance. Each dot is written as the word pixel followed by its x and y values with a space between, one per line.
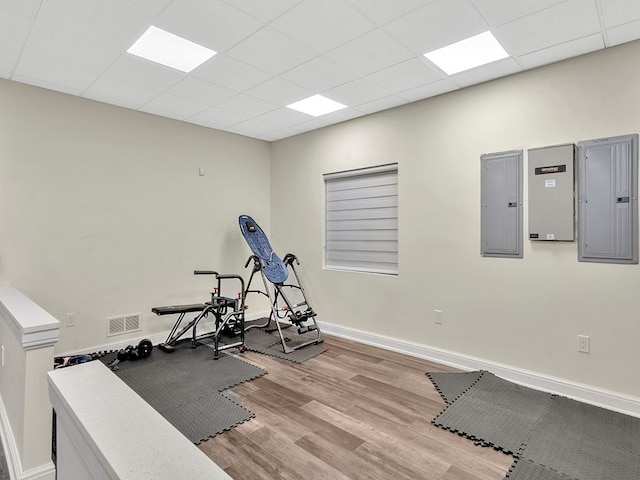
pixel 228 312
pixel 285 309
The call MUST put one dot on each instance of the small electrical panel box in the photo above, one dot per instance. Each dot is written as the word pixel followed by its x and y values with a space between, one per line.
pixel 551 193
pixel 501 204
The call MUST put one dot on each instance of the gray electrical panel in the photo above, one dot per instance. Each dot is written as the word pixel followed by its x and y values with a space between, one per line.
pixel 551 200
pixel 501 204
pixel 608 200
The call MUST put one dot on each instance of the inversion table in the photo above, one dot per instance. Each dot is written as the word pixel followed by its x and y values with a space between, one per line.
pixel 281 294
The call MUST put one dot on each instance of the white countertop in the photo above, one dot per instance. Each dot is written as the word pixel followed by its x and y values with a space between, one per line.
pixel 128 437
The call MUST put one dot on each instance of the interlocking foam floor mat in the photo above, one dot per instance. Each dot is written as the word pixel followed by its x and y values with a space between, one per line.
pixel 186 387
pixel 551 437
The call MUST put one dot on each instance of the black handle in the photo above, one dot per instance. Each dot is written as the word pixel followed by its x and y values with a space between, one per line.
pixel 205 272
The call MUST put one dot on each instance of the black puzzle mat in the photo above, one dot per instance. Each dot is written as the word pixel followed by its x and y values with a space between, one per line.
pixel 268 342
pixel 494 412
pixel 524 469
pixel 185 387
pixel 585 442
pixel 551 437
pixel 451 385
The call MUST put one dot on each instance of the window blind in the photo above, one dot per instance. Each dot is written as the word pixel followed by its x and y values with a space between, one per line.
pixel 362 220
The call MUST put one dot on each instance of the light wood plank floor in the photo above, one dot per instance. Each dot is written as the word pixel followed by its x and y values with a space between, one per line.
pixel 353 412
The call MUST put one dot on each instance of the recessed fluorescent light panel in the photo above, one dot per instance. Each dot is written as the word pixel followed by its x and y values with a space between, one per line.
pixel 469 53
pixel 317 105
pixel 170 50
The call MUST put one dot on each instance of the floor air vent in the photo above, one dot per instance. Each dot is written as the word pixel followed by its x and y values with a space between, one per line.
pixel 123 324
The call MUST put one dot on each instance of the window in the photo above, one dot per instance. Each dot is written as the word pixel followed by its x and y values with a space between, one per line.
pixel 361 221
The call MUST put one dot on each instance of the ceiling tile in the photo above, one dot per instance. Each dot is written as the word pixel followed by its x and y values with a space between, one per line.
pixel 116 24
pixel 623 33
pixel 143 72
pixel 370 53
pixel 8 61
pixel 562 51
pixel 215 117
pixel 264 11
pixel 246 105
pixel 211 23
pixel 271 51
pixel 230 73
pixel 279 92
pixel 47 71
pixel 13 32
pixel 438 24
pixel 406 75
pixel 500 12
pixel 121 92
pixel 65 48
pixel 200 91
pixel 501 68
pixel 25 9
pixel 329 119
pixel 280 134
pixel 39 82
pixel 324 25
pixel 618 12
pixel 429 90
pixel 320 74
pixel 174 107
pixel 356 93
pixel 254 127
pixel 385 11
pixel 284 117
pixel 561 23
pixel 380 104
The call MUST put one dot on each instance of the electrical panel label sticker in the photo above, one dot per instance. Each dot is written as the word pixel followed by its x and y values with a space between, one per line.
pixel 550 169
pixel 550 183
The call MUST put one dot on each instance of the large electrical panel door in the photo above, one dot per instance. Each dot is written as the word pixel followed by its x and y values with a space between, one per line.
pixel 551 200
pixel 501 204
pixel 608 200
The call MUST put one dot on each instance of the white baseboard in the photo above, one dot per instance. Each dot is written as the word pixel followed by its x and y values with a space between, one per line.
pixel 43 472
pixel 618 402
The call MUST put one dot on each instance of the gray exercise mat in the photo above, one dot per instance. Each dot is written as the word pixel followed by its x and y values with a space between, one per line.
pixel 586 442
pixel 268 342
pixel 451 385
pixel 524 469
pixel 551 437
pixel 185 387
pixel 494 412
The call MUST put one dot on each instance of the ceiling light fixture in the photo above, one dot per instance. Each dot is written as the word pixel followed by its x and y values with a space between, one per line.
pixel 170 50
pixel 317 105
pixel 469 53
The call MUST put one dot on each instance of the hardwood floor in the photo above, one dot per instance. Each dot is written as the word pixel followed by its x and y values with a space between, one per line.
pixel 353 412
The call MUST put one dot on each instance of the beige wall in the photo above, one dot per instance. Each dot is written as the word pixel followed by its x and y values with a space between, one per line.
pixel 524 313
pixel 103 213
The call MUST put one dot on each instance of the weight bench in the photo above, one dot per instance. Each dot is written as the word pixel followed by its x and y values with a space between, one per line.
pixel 228 314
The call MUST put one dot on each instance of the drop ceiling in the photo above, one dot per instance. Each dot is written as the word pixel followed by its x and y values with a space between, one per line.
pixel 366 54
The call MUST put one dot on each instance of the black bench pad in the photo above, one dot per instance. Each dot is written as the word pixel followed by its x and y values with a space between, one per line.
pixel 175 309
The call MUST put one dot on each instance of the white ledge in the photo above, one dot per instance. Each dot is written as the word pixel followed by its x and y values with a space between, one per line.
pixel 35 326
pixel 116 433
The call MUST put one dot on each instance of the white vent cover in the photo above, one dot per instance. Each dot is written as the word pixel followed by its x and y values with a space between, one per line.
pixel 123 324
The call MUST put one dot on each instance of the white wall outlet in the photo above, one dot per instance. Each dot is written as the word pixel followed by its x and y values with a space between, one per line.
pixel 437 317
pixel 584 343
pixel 70 320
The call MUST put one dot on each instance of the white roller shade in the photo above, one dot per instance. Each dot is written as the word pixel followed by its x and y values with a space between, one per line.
pixel 361 231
